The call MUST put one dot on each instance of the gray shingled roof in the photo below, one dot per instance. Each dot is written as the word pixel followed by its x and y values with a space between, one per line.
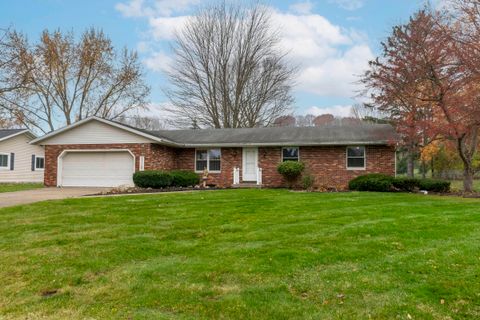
pixel 323 135
pixel 4 133
pixel 330 134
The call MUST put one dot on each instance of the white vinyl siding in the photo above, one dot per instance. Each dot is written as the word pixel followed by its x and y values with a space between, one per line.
pixel 23 151
pixel 95 132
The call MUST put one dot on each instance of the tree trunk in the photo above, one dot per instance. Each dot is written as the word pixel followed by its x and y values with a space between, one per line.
pixel 466 152
pixel 424 169
pixel 468 174
pixel 432 168
pixel 410 164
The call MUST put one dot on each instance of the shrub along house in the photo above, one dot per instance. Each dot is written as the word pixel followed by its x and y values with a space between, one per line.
pixel 99 152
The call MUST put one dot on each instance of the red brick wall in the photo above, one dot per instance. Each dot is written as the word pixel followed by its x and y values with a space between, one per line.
pixel 156 157
pixel 268 160
pixel 185 159
pixel 326 164
pixel 231 157
pixel 160 158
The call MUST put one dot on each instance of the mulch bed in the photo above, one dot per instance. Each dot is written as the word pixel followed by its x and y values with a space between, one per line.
pixel 135 190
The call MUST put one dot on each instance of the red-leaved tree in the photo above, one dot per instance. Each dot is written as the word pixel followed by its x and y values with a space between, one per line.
pixel 427 79
pixel 395 79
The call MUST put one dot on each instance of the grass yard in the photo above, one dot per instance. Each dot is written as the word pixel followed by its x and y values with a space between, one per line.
pixel 9 187
pixel 242 254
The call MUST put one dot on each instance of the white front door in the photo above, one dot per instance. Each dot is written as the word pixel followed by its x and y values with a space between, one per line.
pixel 250 164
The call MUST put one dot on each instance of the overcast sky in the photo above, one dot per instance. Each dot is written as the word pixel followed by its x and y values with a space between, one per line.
pixel 331 40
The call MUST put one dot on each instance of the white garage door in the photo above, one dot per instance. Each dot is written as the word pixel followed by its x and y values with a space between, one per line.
pixel 97 169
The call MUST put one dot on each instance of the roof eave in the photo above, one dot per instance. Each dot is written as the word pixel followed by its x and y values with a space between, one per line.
pixel 17 134
pixel 111 123
pixel 286 143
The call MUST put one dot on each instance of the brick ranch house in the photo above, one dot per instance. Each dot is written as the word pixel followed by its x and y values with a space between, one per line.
pixel 99 152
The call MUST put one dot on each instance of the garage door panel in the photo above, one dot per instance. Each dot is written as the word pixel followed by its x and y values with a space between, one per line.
pixel 97 169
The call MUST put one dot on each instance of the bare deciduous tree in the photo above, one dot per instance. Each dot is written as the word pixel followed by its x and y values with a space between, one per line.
pixel 365 112
pixel 9 80
pixel 305 120
pixel 6 78
pixel 228 70
pixel 61 80
pixel 142 122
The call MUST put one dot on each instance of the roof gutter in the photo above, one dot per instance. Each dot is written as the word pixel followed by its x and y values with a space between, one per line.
pixel 17 134
pixel 287 143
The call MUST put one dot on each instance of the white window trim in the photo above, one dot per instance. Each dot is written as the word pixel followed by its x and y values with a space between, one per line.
pixel 290 147
pixel 364 157
pixel 208 160
pixel 141 165
pixel 37 168
pixel 8 161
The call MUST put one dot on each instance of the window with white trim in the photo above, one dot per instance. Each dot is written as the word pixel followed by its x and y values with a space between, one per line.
pixel 356 157
pixel 4 160
pixel 290 154
pixel 208 159
pixel 39 163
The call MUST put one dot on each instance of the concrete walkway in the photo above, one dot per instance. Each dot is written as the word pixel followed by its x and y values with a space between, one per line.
pixel 8 199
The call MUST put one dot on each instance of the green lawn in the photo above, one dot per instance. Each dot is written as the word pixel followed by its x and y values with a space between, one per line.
pixel 242 254
pixel 9 187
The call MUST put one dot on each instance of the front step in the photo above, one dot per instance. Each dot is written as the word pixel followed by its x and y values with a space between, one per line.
pixel 246 185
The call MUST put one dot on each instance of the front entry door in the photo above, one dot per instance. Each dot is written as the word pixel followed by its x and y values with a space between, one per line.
pixel 250 163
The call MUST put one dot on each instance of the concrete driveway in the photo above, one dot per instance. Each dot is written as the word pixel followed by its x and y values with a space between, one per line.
pixel 8 199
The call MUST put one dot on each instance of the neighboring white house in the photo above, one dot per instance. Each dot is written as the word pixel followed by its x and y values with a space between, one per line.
pixel 20 161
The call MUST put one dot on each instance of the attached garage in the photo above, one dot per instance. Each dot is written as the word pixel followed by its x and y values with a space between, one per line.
pixel 95 152
pixel 96 168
